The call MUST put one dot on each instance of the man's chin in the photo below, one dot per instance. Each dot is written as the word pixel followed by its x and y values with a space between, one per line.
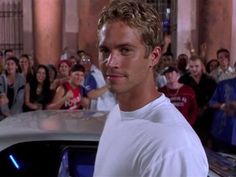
pixel 115 89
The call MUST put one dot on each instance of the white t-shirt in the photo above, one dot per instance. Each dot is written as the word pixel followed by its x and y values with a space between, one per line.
pixel 153 141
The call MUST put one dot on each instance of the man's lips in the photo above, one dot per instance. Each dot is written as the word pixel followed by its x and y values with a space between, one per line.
pixel 115 76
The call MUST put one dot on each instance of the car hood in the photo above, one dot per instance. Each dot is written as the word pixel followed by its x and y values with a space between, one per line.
pixel 52 125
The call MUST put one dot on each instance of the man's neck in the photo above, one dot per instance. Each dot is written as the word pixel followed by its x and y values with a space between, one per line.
pixel 133 101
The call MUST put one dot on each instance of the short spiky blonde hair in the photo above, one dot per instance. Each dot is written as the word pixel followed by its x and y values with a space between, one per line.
pixel 136 14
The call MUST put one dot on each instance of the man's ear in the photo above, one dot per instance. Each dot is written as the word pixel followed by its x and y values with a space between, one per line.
pixel 155 56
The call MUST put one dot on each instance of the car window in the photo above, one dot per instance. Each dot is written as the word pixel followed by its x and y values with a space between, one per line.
pixel 44 158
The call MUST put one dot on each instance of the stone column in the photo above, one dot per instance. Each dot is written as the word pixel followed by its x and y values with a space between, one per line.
pixel 215 25
pixel 186 25
pixel 47 25
pixel 88 17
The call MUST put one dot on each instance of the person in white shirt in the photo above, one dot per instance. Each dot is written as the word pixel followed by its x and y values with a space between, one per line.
pixel 144 135
pixel 224 71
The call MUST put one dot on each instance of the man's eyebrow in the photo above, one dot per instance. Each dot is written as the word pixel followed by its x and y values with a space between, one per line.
pixel 125 45
pixel 117 46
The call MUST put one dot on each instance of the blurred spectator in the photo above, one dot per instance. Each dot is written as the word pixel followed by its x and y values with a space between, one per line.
pixel 26 67
pixel 9 53
pixel 63 69
pixel 71 95
pixel 62 74
pixel 166 46
pixel 165 60
pixel 52 72
pixel 72 60
pixel 224 123
pixel 182 96
pixel 212 65
pixel 204 87
pixel 52 78
pixel 37 91
pixel 182 63
pixel 1 62
pixel 81 53
pixel 224 70
pixel 12 88
pixel 65 54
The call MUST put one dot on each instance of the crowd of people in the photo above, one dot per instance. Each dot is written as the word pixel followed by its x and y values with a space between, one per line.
pixel 74 84
pixel 150 133
pixel 204 92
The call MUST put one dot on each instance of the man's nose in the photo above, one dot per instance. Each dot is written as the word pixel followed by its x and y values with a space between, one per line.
pixel 112 60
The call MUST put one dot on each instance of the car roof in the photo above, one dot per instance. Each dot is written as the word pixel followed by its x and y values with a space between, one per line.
pixel 44 125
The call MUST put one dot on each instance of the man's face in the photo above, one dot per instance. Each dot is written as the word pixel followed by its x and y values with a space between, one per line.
pixel 122 58
pixel 196 68
pixel 223 58
pixel 172 77
pixel 77 77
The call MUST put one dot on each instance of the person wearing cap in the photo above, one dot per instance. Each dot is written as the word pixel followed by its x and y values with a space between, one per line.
pixel 71 94
pixel 182 96
pixel 12 89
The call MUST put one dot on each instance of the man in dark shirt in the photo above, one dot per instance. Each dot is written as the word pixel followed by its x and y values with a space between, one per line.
pixel 204 87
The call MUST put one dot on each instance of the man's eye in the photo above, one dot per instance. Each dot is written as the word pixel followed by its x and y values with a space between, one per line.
pixel 124 51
